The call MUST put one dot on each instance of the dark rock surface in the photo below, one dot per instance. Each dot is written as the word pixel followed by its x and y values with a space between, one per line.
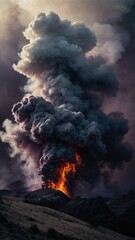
pixel 94 210
pixel 48 198
pixel 120 204
pixel 24 221
pixel 117 214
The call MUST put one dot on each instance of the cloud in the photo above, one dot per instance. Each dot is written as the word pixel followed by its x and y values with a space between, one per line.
pixel 65 117
pixel 113 24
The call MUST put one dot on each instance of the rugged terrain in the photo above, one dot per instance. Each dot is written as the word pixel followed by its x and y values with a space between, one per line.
pixel 19 220
pixel 116 214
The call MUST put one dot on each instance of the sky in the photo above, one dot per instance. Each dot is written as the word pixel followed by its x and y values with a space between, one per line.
pixel 113 23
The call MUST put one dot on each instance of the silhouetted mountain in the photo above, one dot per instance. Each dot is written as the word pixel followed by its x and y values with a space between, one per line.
pixel 48 198
pixel 116 214
pixel 16 186
pixel 23 221
pixel 120 204
pixel 94 210
pixel 16 189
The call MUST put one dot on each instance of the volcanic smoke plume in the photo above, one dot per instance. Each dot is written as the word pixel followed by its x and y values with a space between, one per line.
pixel 59 126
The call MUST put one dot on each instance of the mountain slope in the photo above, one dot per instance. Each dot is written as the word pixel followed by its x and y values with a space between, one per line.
pixel 117 214
pixel 37 222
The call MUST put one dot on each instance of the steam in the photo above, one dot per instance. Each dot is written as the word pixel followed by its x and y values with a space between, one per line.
pixel 61 113
pixel 10 82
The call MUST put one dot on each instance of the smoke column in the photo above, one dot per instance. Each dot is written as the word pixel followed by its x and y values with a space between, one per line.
pixel 113 24
pixel 59 124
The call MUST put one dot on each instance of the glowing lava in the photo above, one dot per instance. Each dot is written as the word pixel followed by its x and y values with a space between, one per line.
pixel 64 171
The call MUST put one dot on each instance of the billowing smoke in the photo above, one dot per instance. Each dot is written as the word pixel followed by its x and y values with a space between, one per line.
pixel 61 113
pixel 10 82
pixel 105 17
pixel 125 99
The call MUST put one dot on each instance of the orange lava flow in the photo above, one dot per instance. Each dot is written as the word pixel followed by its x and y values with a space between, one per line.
pixel 64 171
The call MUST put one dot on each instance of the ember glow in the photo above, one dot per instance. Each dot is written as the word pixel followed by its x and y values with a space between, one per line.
pixel 64 171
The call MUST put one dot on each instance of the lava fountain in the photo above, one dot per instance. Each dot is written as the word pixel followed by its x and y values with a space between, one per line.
pixel 66 170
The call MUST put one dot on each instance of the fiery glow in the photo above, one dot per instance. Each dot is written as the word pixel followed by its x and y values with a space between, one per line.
pixel 64 171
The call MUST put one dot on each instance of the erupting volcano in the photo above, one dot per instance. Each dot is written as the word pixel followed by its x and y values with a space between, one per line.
pixel 64 172
pixel 62 109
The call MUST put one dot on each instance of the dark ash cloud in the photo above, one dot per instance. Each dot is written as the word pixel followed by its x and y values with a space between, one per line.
pixel 62 110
